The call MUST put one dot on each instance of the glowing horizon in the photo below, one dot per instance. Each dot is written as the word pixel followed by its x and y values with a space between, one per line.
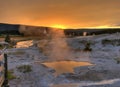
pixel 61 26
pixel 61 13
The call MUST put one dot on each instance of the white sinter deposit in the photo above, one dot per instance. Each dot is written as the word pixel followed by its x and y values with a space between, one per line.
pixel 105 57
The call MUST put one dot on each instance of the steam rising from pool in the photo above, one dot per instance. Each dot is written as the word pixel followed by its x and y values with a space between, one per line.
pixel 59 53
pixel 59 47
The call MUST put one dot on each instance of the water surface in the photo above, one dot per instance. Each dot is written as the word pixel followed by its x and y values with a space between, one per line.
pixel 65 66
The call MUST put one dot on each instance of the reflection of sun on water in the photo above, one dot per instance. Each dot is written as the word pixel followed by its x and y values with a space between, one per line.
pixel 65 66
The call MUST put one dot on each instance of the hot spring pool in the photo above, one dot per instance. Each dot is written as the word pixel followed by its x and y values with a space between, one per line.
pixel 65 66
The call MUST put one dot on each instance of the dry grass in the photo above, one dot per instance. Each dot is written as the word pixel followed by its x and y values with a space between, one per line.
pixel 17 53
pixel 11 76
pixel 24 68
pixel 117 60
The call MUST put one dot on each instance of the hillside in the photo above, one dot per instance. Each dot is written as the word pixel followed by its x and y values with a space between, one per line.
pixel 9 28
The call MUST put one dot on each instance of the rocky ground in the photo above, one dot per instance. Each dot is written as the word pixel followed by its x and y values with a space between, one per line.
pixel 105 57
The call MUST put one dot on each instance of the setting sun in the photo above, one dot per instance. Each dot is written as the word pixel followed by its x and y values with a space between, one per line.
pixel 103 26
pixel 59 26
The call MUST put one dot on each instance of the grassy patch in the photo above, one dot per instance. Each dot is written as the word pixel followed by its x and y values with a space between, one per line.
pixel 114 42
pixel 24 68
pixel 10 75
pixel 117 60
pixel 17 53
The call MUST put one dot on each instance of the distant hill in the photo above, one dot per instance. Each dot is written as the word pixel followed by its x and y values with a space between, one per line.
pixel 40 31
pixel 9 28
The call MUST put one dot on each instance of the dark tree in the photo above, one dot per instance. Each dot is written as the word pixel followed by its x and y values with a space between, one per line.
pixel 87 47
pixel 7 38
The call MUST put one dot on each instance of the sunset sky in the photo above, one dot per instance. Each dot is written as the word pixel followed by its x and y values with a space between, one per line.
pixel 61 13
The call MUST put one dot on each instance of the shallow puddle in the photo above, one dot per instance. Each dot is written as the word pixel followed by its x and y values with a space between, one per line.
pixel 65 66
